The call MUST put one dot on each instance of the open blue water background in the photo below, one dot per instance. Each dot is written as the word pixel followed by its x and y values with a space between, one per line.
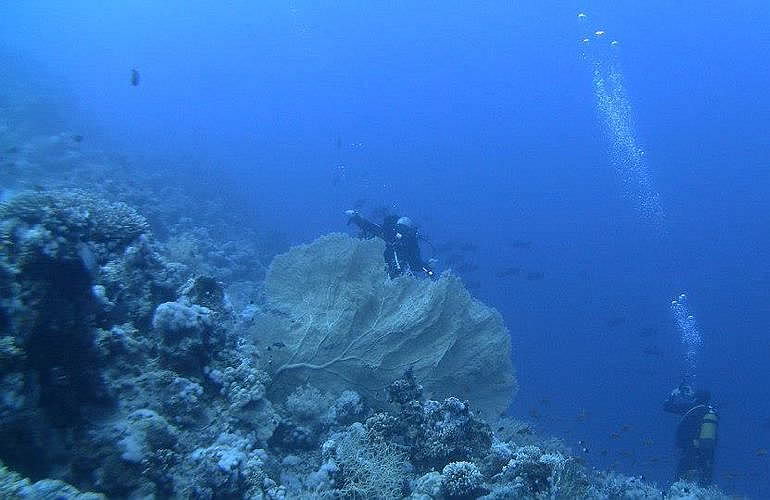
pixel 478 120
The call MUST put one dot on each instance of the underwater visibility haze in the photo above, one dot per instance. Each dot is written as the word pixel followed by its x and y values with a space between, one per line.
pixel 208 288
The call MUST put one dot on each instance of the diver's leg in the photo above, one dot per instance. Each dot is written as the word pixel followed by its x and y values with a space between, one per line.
pixel 687 468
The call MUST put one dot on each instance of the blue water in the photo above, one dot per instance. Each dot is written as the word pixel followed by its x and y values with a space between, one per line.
pixel 481 123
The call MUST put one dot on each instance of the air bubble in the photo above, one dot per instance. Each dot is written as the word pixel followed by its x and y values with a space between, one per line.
pixel 616 114
pixel 689 333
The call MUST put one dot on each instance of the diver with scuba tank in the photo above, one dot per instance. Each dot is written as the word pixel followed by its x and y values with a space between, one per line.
pixel 696 434
pixel 402 248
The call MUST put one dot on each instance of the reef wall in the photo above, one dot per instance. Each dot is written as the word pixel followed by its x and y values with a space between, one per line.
pixel 130 375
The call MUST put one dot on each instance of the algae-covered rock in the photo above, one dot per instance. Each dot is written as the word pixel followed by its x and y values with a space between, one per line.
pixel 335 319
pixel 15 487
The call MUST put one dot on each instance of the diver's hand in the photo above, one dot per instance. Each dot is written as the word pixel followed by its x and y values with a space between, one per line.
pixel 352 215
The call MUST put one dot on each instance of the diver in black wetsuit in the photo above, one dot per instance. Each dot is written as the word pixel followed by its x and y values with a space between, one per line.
pixel 696 435
pixel 402 249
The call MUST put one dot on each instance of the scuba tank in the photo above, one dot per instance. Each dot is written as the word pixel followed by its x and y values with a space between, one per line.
pixel 707 435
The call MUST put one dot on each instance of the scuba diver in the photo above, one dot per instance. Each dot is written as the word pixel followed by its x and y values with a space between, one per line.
pixel 696 434
pixel 402 249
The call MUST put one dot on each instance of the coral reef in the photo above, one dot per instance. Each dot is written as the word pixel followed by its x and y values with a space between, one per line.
pixel 461 480
pixel 365 468
pixel 131 375
pixel 15 487
pixel 110 354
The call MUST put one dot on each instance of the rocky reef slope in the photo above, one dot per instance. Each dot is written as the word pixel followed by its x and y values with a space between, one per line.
pixel 129 374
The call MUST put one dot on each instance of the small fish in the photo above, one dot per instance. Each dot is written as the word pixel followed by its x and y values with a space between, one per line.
pixel 12 150
pixel 135 77
pixel 468 247
pixel 761 452
pixel 653 351
pixel 279 345
pixel 519 244
pixel 614 435
pixel 616 322
pixel 648 332
pixel 508 272
pixel 77 138
pixel 625 428
pixel 535 276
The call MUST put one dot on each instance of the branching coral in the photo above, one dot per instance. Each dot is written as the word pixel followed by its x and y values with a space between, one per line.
pixel 368 469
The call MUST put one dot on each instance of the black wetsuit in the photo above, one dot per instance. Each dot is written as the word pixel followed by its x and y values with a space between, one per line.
pixel 696 439
pixel 402 250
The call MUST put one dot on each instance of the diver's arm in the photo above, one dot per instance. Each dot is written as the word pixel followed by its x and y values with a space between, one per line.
pixel 368 227
pixel 689 426
pixel 424 266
